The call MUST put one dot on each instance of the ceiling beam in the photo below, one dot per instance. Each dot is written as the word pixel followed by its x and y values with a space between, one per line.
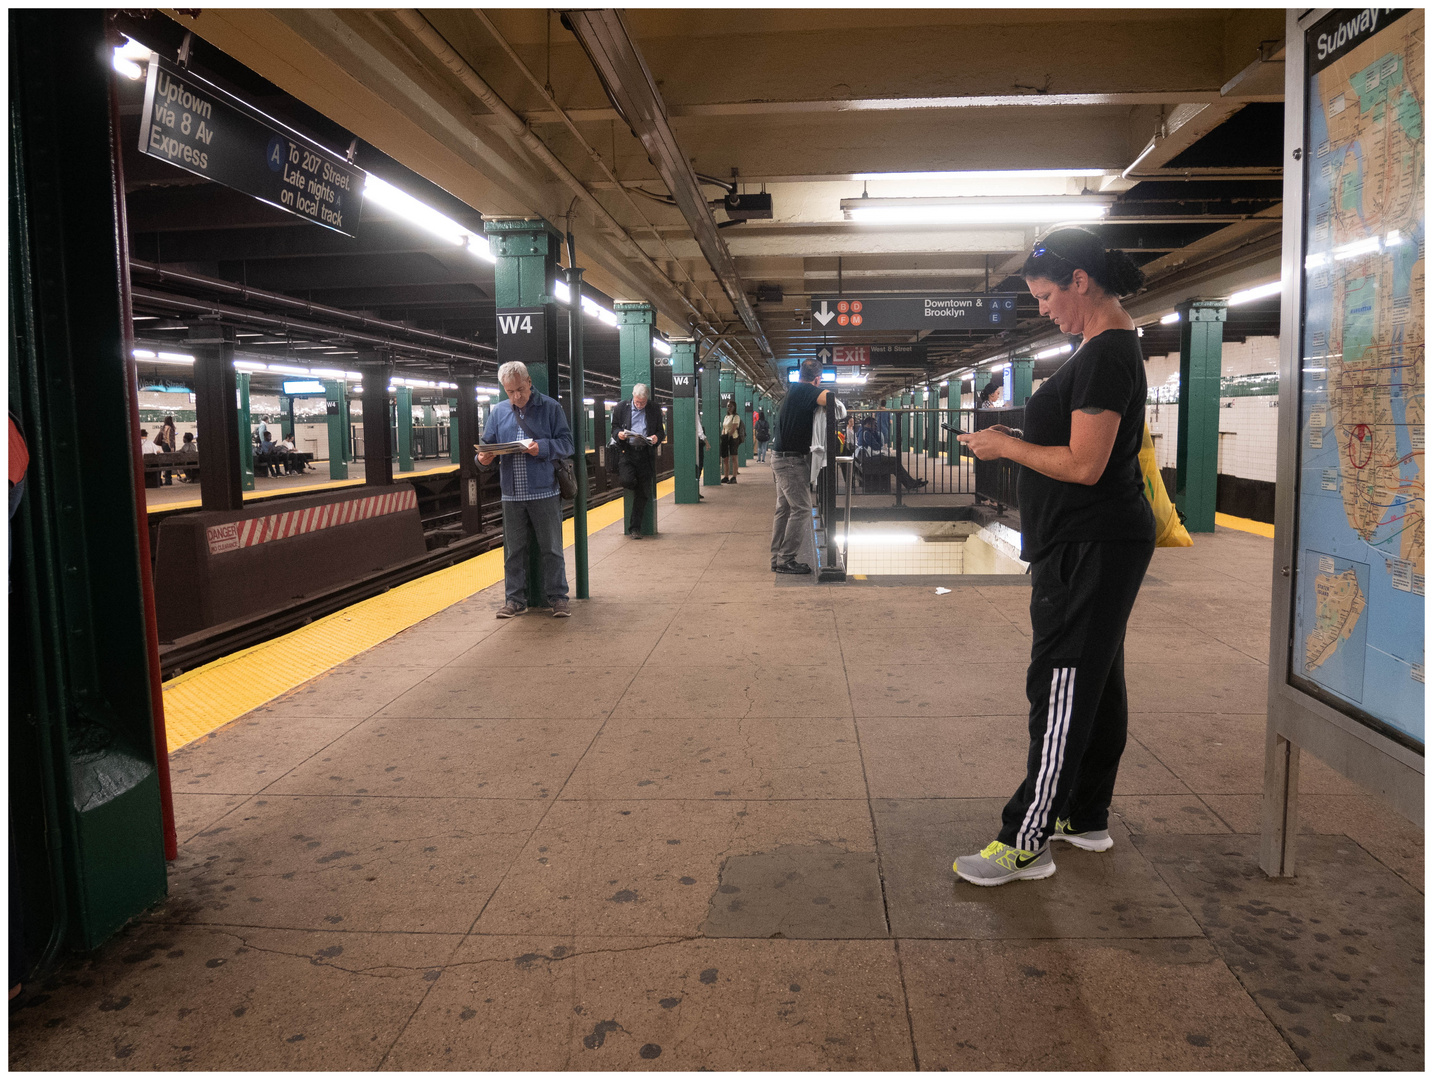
pixel 620 66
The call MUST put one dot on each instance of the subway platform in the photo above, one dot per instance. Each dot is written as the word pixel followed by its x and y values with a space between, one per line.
pixel 707 823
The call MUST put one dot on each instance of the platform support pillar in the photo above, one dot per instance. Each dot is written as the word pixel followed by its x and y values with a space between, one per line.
pixel 1018 383
pixel 335 394
pixel 634 327
pixel 404 427
pixel 743 405
pixel 684 421
pixel 377 454
pixel 219 418
pixel 709 384
pixel 463 431
pixel 1201 354
pixel 528 255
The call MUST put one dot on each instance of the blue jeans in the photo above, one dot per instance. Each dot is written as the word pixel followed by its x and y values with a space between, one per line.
pixel 540 518
pixel 761 450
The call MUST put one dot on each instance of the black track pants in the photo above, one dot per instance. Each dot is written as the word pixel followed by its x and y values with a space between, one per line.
pixel 1080 599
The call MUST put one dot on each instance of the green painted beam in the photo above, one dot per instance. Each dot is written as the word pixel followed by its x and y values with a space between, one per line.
pixel 709 384
pixel 335 392
pixel 684 421
pixel 1201 355
pixel 634 341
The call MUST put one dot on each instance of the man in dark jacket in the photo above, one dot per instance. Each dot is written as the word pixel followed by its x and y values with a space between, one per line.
pixel 636 431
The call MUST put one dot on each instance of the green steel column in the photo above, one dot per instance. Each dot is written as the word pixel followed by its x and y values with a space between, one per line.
pixel 246 437
pixel 634 329
pixel 1201 355
pixel 684 420
pixel 1022 375
pixel 743 405
pixel 710 385
pixel 335 392
pixel 404 433
pixel 907 400
pixel 453 430
pixel 528 252
pixel 577 418
pixel 918 421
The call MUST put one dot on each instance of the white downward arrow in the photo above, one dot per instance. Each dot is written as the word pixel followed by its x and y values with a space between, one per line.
pixel 823 316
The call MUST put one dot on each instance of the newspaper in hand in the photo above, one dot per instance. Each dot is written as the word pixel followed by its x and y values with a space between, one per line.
pixel 518 446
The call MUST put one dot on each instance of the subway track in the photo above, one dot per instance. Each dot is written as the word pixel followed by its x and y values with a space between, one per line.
pixel 439 525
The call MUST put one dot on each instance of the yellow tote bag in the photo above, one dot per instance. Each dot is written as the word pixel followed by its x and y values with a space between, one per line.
pixel 1169 531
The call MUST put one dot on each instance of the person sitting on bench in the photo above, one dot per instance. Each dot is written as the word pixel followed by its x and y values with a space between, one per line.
pixel 872 462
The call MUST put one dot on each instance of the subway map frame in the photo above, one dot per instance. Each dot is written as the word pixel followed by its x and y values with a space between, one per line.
pixel 1347 615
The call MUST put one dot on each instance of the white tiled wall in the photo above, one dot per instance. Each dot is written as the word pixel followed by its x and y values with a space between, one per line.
pixel 1248 426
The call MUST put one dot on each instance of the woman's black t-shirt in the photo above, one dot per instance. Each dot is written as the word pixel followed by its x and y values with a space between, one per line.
pixel 1106 373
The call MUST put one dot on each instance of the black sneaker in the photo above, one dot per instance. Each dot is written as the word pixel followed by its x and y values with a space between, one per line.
pixel 792 567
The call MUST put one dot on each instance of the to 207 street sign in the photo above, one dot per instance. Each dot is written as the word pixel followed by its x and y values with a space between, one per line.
pixel 943 311
pixel 193 124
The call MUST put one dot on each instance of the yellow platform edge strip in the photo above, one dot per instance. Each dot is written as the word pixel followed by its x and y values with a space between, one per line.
pixel 205 699
pixel 1258 528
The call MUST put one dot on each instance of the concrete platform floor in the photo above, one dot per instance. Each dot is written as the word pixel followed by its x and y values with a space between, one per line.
pixel 708 823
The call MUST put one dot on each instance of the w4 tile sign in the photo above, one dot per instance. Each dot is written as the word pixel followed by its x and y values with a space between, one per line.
pixel 193 124
pixel 942 311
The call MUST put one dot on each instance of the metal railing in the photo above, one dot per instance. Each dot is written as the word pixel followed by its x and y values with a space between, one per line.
pixel 918 455
pixel 997 481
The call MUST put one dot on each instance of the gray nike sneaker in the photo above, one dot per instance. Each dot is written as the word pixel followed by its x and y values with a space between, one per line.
pixel 1092 840
pixel 1000 863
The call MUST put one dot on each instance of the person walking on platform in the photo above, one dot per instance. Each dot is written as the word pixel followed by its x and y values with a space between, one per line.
pixel 762 430
pixel 638 426
pixel 791 468
pixel 532 500
pixel 1088 533
pixel 730 442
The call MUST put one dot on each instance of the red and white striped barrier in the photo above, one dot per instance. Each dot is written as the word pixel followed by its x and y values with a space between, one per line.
pixel 262 530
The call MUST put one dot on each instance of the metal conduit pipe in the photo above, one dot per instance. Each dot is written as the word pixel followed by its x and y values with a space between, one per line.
pixel 263 296
pixel 596 158
pixel 152 297
pixel 435 43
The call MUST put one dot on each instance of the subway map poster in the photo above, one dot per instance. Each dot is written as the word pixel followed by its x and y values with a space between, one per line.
pixel 1358 594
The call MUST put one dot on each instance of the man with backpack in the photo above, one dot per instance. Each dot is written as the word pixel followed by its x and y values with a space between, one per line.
pixel 763 436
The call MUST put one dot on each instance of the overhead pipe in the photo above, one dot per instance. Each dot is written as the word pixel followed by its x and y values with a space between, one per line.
pixel 438 46
pixel 153 298
pixel 629 83
pixel 596 158
pixel 308 307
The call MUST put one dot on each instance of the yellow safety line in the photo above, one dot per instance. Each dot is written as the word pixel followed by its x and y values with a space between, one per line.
pixel 200 701
pixel 305 489
pixel 1258 528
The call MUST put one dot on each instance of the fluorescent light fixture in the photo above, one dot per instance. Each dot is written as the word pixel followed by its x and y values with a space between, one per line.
pixel 562 291
pixel 1256 293
pixel 977 210
pixel 249 365
pixel 983 174
pixel 484 397
pixel 588 401
pixel 288 369
pixel 1172 317
pixel 144 354
pixel 425 217
pixel 492 390
pixel 326 373
pixel 661 346
pixel 862 539
pixel 413 211
pixel 610 404
pixel 175 357
pixel 1058 350
pixel 1313 262
pixel 126 58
